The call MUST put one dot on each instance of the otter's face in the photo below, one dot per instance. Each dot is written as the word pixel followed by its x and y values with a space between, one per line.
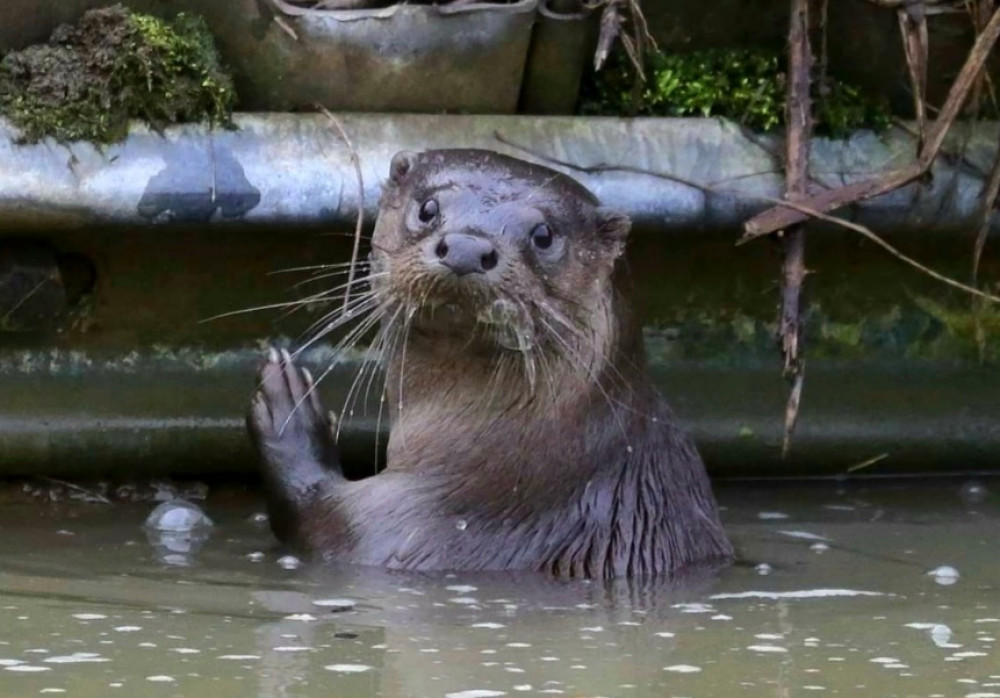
pixel 485 239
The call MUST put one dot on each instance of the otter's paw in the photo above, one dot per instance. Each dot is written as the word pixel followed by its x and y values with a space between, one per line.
pixel 286 414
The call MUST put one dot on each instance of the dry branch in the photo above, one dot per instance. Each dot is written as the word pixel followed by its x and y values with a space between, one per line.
pixel 868 233
pixel 913 30
pixel 798 109
pixel 987 205
pixel 780 217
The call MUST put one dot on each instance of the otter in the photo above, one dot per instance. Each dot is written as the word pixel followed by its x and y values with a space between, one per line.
pixel 525 432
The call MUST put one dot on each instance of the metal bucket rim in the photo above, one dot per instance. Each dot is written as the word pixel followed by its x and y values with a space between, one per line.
pixel 563 16
pixel 291 10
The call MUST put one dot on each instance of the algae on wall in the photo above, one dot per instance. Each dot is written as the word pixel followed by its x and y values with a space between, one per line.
pixel 114 65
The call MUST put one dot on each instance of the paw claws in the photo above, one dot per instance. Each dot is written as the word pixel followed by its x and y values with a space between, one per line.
pixel 272 355
pixel 286 357
pixel 307 374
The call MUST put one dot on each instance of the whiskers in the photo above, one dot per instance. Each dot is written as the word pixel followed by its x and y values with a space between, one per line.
pixel 584 350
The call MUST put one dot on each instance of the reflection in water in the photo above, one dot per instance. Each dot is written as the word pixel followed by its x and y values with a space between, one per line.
pixel 84 608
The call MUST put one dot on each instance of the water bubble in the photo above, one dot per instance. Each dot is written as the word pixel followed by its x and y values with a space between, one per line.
pixel 259 519
pixel 177 530
pixel 945 575
pixel 763 569
pixel 973 492
pixel 940 633
pixel 461 524
pixel 255 556
pixel 289 562
pixel 819 547
pixel 177 516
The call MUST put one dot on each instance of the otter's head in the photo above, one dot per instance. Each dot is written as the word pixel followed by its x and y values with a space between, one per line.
pixel 485 241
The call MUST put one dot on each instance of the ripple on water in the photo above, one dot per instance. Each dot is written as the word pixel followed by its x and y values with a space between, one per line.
pixel 683 669
pixel 767 649
pixel 335 605
pixel 77 658
pixel 348 668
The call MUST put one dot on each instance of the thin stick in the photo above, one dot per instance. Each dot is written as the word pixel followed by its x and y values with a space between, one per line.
pixel 913 31
pixel 987 204
pixel 781 217
pixel 359 224
pixel 869 462
pixel 866 232
pixel 83 490
pixel 798 116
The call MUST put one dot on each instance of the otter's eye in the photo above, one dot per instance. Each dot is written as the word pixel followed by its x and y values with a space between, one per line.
pixel 541 236
pixel 428 211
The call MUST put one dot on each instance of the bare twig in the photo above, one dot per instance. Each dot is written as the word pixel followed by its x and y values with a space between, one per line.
pixel 611 28
pixel 824 54
pixel 798 116
pixel 635 44
pixel 867 232
pixel 93 494
pixel 780 217
pixel 792 407
pixel 987 206
pixel 913 30
pixel 359 225
pixel 286 27
pixel 867 462
pixel 979 11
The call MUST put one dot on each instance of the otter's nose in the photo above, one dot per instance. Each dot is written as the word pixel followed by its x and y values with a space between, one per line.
pixel 466 254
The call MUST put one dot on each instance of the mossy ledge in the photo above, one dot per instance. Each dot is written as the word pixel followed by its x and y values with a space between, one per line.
pixel 114 65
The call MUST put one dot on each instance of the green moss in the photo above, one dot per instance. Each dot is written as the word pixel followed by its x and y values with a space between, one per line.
pixel 90 79
pixel 745 85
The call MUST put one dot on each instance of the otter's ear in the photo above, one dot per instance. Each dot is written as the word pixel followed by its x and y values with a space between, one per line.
pixel 402 164
pixel 613 226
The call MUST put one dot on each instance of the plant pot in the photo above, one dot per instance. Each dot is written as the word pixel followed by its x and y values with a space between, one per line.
pixel 402 58
pixel 563 42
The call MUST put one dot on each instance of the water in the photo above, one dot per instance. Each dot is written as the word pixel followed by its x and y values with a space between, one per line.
pixel 836 596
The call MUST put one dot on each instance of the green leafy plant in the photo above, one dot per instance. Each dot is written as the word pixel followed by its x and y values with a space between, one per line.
pixel 90 79
pixel 745 85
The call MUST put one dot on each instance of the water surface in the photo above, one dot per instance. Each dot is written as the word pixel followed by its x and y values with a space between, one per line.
pixel 859 589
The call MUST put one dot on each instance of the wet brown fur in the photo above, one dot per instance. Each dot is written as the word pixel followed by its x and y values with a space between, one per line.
pixel 561 458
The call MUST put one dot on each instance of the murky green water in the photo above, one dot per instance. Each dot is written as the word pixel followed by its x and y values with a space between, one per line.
pixel 836 599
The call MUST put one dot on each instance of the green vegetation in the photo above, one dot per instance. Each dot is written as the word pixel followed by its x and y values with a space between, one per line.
pixel 745 85
pixel 90 79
